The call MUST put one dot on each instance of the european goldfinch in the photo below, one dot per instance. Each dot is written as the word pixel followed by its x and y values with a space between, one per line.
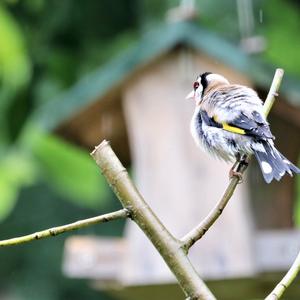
pixel 229 123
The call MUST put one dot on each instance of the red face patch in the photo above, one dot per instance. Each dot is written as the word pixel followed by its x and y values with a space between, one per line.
pixel 196 85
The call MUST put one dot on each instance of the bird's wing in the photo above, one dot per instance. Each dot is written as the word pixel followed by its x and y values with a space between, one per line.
pixel 239 111
pixel 253 125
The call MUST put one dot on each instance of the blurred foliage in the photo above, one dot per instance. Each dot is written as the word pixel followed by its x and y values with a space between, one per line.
pixel 15 65
pixel 45 47
pixel 221 16
pixel 33 271
pixel 70 170
pixel 282 33
pixel 15 171
pixel 297 204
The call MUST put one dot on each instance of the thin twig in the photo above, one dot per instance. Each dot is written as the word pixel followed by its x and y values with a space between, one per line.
pixel 168 247
pixel 123 213
pixel 197 233
pixel 273 92
pixel 286 280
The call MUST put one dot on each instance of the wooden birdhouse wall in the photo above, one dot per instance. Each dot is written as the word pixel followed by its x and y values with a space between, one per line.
pixel 104 119
pixel 179 181
pixel 273 205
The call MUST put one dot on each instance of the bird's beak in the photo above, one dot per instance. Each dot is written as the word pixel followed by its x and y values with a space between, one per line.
pixel 191 95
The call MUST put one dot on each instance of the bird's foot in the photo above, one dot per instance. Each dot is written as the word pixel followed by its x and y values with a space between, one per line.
pixel 233 173
pixel 244 160
pixel 235 169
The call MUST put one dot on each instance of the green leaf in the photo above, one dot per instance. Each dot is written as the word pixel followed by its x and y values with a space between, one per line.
pixel 15 67
pixel 16 171
pixel 70 170
pixel 9 195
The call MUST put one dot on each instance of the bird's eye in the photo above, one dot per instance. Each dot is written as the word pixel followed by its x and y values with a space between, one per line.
pixel 196 85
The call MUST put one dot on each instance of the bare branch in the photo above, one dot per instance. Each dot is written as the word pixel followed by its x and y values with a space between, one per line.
pixel 286 280
pixel 120 214
pixel 273 92
pixel 168 247
pixel 197 233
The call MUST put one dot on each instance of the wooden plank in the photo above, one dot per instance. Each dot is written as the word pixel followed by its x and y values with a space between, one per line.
pixel 273 204
pixel 102 120
pixel 275 250
pixel 230 289
pixel 104 258
pixel 91 257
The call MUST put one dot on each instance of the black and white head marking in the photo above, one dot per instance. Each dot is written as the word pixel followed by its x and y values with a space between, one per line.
pixel 207 78
pixel 204 80
pixel 213 77
pixel 199 87
pixel 201 84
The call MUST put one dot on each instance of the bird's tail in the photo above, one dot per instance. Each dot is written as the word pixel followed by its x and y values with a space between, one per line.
pixel 273 164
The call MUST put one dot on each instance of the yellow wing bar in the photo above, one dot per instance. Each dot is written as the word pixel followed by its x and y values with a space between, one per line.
pixel 233 129
pixel 229 128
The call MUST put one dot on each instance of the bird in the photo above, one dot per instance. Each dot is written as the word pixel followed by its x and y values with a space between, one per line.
pixel 230 124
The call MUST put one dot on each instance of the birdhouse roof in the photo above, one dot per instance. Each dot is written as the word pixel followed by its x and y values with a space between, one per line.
pixel 158 41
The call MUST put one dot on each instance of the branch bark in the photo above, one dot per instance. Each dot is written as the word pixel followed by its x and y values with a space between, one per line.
pixel 168 247
pixel 120 214
pixel 197 233
pixel 286 281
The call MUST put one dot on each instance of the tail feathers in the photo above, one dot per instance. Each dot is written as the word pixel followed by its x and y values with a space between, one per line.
pixel 291 166
pixel 273 164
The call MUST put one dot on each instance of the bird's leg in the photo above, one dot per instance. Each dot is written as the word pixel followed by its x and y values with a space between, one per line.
pixel 236 173
pixel 244 160
pixel 232 169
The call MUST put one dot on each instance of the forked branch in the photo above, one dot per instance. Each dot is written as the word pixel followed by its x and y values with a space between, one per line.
pixel 168 246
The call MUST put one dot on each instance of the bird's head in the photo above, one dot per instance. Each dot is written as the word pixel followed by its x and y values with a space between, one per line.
pixel 204 81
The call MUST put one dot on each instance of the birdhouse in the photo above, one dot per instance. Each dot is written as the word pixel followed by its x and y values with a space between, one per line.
pixel 137 101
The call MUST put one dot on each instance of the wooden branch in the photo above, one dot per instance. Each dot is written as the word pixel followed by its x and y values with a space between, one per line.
pixel 197 233
pixel 273 92
pixel 286 280
pixel 123 213
pixel 168 247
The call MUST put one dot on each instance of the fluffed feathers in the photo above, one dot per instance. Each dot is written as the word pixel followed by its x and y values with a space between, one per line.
pixel 229 122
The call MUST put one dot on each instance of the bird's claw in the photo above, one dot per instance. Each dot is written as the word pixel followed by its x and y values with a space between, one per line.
pixel 239 175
